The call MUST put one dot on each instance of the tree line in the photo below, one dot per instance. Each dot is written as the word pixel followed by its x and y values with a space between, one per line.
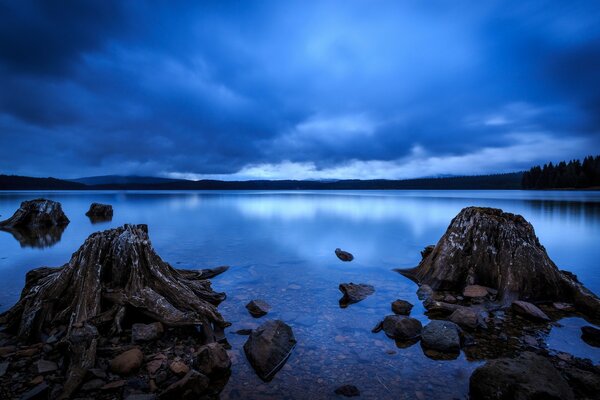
pixel 574 174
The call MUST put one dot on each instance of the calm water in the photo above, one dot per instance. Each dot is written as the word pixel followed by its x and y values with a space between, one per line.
pixel 280 247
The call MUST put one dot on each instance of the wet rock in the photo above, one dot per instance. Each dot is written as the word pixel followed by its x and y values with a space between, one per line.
pixel 190 387
pixel 442 336
pixel 179 368
pixel 212 360
pixel 354 292
pixel 343 255
pixel 37 393
pixel 591 335
pixel 268 347
pixel 98 210
pixel 439 307
pixel 141 333
pixel 94 384
pixel 475 291
pixel 115 385
pixel 45 366
pixel 37 213
pixel 3 368
pixel 401 307
pixel 449 299
pixel 528 377
pixel 499 249
pixel 529 310
pixel 424 292
pixel 465 317
pixel 127 362
pixel 377 328
pixel 258 308
pixel 347 391
pixel 402 328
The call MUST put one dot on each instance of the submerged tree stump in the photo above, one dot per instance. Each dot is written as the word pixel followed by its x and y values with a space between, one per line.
pixel 38 213
pixel 488 247
pixel 115 273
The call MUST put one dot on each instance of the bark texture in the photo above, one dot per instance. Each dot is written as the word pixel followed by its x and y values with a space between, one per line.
pixel 114 274
pixel 488 247
pixel 38 213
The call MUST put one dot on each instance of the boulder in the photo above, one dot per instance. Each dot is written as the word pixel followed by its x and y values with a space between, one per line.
pixel 528 377
pixel 424 292
pixel 441 336
pixel 529 310
pixel 212 360
pixel 268 347
pixel 402 328
pixel 191 386
pixel 591 335
pixel 141 333
pixel 258 308
pixel 343 255
pixel 347 391
pixel 499 250
pixel 98 210
pixel 401 307
pixel 354 292
pixel 179 367
pixel 465 317
pixel 38 213
pixel 127 362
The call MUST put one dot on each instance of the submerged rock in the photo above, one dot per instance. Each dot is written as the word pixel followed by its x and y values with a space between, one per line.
pixel 354 292
pixel 347 391
pixel 402 328
pixel 498 250
pixel 442 336
pixel 401 307
pixel 258 308
pixel 212 360
pixel 528 377
pixel 424 292
pixel 268 347
pixel 343 255
pixel 38 213
pixel 466 317
pixel 529 310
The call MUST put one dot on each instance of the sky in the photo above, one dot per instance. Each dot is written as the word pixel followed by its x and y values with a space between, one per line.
pixel 296 90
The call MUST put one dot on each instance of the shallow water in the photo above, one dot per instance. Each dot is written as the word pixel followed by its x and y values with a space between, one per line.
pixel 280 247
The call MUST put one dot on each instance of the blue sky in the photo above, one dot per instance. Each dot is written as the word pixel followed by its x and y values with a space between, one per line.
pixel 298 90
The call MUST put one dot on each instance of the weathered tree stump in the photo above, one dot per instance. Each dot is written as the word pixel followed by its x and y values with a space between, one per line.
pixel 100 212
pixel 114 274
pixel 38 213
pixel 488 247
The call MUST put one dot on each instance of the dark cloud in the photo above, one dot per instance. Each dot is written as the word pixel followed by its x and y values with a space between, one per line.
pixel 273 88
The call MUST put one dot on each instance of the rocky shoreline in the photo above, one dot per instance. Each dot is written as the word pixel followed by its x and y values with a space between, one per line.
pixel 171 344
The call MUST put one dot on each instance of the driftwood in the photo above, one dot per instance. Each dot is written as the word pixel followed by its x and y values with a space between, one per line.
pixel 115 274
pixel 488 247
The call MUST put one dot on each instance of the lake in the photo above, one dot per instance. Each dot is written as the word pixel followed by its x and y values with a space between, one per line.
pixel 280 246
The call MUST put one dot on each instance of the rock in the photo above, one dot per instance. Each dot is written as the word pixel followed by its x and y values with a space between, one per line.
pixel 127 362
pixel 94 384
pixel 3 368
pixel 563 306
pixel 141 396
pixel 499 250
pixel 586 384
pixel 268 347
pixel 475 291
pixel 258 308
pixel 424 292
pixel 442 336
pixel 465 317
pixel 100 210
pixel 153 366
pixel 213 360
pixel 343 255
pixel 243 332
pixel 39 392
pixel 45 366
pixel 377 328
pixel 439 307
pixel 401 307
pixel 37 380
pixel 450 299
pixel 38 213
pixel 179 368
pixel 347 391
pixel 114 385
pixel 190 386
pixel 141 333
pixel 528 377
pixel 591 335
pixel 354 292
pixel 7 350
pixel 402 328
pixel 96 373
pixel 529 310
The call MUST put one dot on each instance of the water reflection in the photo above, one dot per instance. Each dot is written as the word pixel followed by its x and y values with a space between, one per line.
pixel 96 219
pixel 36 237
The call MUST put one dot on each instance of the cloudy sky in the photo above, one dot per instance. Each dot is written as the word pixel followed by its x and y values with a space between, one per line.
pixel 300 90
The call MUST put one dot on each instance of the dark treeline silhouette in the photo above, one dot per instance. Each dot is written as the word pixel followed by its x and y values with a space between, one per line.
pixel 574 174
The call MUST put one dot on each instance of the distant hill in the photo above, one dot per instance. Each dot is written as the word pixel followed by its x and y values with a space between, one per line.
pixel 481 182
pixel 13 182
pixel 122 180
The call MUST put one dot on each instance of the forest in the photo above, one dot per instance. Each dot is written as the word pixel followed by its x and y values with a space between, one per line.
pixel 572 174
